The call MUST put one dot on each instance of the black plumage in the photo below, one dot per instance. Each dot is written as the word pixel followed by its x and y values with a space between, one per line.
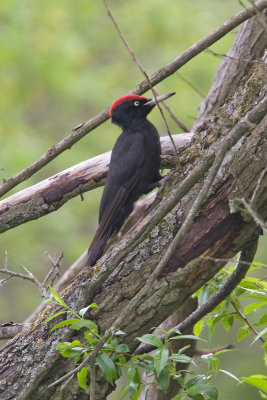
pixel 134 167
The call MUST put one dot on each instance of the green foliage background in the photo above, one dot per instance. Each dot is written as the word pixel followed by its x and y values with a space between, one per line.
pixel 60 64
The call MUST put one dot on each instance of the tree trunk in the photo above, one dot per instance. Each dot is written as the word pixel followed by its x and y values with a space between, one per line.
pixel 248 47
pixel 30 362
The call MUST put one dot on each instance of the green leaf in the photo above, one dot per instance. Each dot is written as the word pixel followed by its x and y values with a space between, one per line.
pixel 54 316
pixel 208 357
pixel 180 396
pixel 123 390
pixel 215 364
pixel 82 376
pixel 194 380
pixel 84 323
pixel 254 284
pixel 251 307
pixel 134 395
pixel 131 375
pixel 151 339
pixel 112 342
pixel 164 380
pixel 145 357
pixel 68 349
pixel 228 322
pixel 134 381
pixel 196 396
pixel 262 333
pixel 230 374
pixel 181 358
pixel 263 396
pixel 196 391
pixel 122 348
pixel 259 381
pixel 161 360
pixel 107 366
pixel 191 337
pixel 84 310
pixel 263 319
pixel 204 295
pixel 198 327
pixel 183 349
pixel 243 332
pixel 57 297
pixel 64 323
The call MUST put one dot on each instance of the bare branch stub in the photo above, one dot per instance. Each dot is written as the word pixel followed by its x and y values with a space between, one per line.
pixel 42 287
pixel 54 272
pixel 10 329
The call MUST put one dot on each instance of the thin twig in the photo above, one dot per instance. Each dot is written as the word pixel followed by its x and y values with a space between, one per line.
pixel 231 58
pixel 249 210
pixel 229 260
pixel 251 327
pixel 202 352
pixel 257 188
pixel 54 272
pixel 246 257
pixel 28 276
pixel 92 380
pixel 84 128
pixel 194 87
pixel 65 384
pixel 49 279
pixel 172 114
pixel 249 205
pixel 141 68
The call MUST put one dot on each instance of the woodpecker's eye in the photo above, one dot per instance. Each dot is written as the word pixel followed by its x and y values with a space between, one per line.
pixel 136 103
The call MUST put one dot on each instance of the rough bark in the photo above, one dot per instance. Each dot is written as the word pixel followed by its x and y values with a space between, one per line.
pixel 29 363
pixel 248 47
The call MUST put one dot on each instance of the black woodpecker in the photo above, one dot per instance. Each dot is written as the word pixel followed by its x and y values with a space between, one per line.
pixel 134 167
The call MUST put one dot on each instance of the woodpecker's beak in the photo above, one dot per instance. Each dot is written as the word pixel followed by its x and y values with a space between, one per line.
pixel 153 102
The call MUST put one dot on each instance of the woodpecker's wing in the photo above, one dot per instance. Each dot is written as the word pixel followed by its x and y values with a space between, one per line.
pixel 125 171
pixel 116 206
pixel 109 219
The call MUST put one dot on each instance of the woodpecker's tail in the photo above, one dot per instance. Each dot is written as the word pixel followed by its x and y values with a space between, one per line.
pixel 97 248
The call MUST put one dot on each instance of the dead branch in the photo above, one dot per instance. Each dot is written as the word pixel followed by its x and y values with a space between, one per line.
pixel 10 329
pixel 50 194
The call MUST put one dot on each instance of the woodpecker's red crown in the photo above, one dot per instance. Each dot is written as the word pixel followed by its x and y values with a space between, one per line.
pixel 127 97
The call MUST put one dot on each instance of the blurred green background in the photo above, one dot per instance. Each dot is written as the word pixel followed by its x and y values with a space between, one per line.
pixel 60 64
